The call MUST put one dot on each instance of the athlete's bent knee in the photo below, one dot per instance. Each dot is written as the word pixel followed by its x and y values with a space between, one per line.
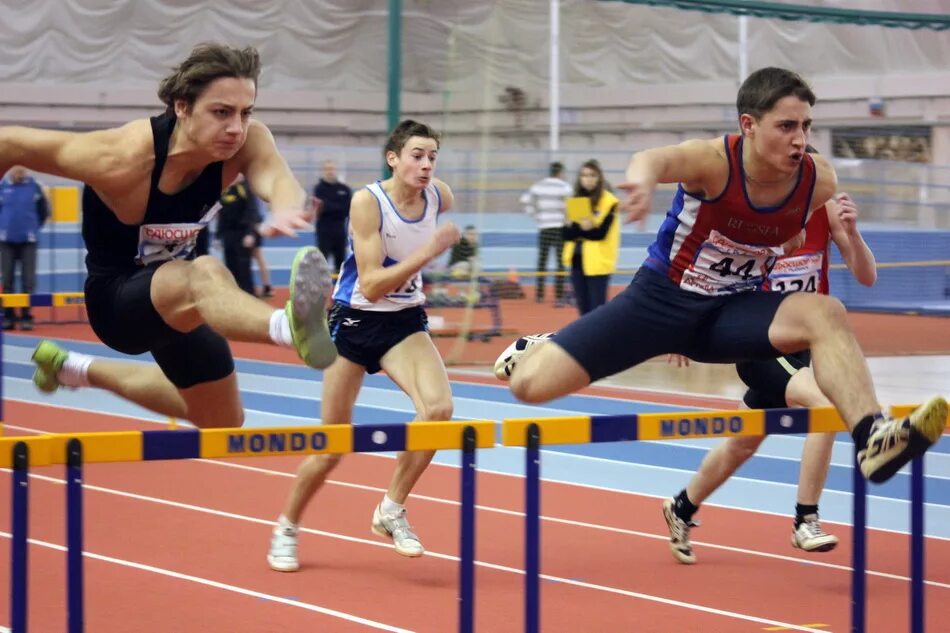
pixel 527 387
pixel 437 410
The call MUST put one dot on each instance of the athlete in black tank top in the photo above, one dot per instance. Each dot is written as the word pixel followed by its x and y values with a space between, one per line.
pixel 112 245
pixel 146 291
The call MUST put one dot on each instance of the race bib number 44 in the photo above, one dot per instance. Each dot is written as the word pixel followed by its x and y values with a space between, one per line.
pixel 722 266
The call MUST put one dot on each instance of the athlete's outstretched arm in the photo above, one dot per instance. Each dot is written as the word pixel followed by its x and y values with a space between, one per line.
pixel 691 163
pixel 91 157
pixel 270 178
pixel 843 224
pixel 377 280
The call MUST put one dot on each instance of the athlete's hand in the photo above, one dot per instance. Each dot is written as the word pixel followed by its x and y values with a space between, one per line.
pixel 638 202
pixel 445 236
pixel 847 212
pixel 285 222
pixel 681 361
pixel 794 244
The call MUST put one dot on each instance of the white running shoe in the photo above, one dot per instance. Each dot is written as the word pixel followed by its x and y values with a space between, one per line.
pixel 680 546
pixel 282 555
pixel 397 528
pixel 509 358
pixel 893 443
pixel 809 536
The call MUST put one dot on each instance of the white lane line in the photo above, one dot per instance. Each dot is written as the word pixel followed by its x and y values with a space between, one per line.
pixel 220 585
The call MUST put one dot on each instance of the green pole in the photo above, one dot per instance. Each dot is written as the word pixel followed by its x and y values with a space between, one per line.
pixel 395 67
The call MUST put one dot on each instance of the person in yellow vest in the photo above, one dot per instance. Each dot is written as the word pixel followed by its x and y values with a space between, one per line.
pixel 591 245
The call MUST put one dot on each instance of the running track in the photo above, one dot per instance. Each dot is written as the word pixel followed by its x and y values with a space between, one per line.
pixel 180 545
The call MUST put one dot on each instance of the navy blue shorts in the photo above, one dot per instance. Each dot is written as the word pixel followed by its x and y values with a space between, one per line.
pixel 122 316
pixel 767 380
pixel 364 337
pixel 653 316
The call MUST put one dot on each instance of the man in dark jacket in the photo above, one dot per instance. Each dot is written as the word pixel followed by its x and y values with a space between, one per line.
pixel 237 230
pixel 23 210
pixel 332 203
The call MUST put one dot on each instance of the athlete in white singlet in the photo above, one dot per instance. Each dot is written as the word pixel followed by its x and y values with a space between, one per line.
pixel 378 322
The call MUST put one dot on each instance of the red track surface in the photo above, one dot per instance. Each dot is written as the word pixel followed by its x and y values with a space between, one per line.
pixel 601 549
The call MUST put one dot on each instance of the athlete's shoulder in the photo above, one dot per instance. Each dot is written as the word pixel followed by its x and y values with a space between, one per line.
pixel 826 181
pixel 363 198
pixel 127 151
pixel 447 198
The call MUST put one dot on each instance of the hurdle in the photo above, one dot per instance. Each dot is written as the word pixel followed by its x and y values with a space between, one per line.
pixel 532 433
pixel 73 450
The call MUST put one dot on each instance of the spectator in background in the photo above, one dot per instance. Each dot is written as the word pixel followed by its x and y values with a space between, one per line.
pixel 332 205
pixel 591 247
pixel 545 202
pixel 257 254
pixel 24 208
pixel 237 230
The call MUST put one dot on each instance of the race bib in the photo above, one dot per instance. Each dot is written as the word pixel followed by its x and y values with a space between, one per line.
pixel 722 266
pixel 408 292
pixel 164 242
pixel 796 274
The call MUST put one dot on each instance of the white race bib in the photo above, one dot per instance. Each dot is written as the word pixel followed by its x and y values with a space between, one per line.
pixel 406 294
pixel 723 266
pixel 796 274
pixel 164 242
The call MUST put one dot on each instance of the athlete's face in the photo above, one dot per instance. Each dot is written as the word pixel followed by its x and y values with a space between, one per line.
pixel 218 120
pixel 415 163
pixel 781 135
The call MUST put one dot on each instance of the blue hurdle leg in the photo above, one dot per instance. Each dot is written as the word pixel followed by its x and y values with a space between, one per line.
pixel 532 518
pixel 859 553
pixel 467 545
pixel 74 528
pixel 917 545
pixel 18 545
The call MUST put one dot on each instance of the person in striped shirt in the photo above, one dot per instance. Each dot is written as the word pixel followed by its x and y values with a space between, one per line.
pixel 545 201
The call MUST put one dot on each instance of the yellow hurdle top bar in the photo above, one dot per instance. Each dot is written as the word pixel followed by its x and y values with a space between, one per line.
pixel 130 446
pixel 56 300
pixel 133 446
pixel 686 425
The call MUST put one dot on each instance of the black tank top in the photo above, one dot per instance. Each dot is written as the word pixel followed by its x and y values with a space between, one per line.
pixel 111 245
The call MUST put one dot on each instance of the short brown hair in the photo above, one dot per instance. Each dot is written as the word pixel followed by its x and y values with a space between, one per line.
pixel 207 62
pixel 763 88
pixel 406 130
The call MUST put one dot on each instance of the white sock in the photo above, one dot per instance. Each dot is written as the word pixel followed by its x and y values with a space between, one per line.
pixel 75 370
pixel 390 507
pixel 284 524
pixel 280 329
